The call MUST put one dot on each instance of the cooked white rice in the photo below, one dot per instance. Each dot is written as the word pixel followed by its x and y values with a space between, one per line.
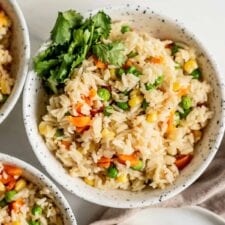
pixel 150 136
pixel 24 203
pixel 6 81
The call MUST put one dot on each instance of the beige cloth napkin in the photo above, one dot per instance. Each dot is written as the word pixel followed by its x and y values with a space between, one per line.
pixel 208 192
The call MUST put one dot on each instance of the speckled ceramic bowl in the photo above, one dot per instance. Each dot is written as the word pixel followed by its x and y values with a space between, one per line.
pixel 20 50
pixel 164 28
pixel 35 176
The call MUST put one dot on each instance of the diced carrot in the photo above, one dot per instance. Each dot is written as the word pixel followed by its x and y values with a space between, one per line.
pixel 170 123
pixel 92 93
pixel 99 64
pixel 133 159
pixel 156 60
pixel 78 107
pixel 6 180
pixel 11 185
pixel 16 205
pixel 182 92
pixel 87 100
pixel 104 162
pixel 183 161
pixel 128 64
pixel 67 144
pixel 80 121
pixel 12 170
pixel 81 129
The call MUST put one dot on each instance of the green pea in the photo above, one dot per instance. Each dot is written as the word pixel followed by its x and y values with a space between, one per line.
pixel 177 118
pixel 32 222
pixel 125 29
pixel 196 74
pixel 108 110
pixel 175 48
pixel 185 112
pixel 150 87
pixel 9 196
pixel 186 102
pixel 132 54
pixel 133 70
pixel 36 210
pixel 4 98
pixel 120 72
pixel 59 133
pixel 123 105
pixel 3 203
pixel 112 172
pixel 104 94
pixel 145 104
pixel 159 81
pixel 139 166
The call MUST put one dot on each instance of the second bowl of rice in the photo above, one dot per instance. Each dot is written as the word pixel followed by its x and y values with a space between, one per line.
pixel 135 133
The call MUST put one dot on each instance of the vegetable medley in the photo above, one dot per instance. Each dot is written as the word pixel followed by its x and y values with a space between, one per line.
pixel 22 202
pixel 126 109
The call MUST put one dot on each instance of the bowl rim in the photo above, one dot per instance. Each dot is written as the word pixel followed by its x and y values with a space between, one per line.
pixel 45 180
pixel 8 106
pixel 195 175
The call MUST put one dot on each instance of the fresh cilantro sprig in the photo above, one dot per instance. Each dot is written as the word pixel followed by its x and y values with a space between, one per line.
pixel 72 40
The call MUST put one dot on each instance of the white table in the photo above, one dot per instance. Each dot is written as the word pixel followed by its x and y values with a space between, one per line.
pixel 204 17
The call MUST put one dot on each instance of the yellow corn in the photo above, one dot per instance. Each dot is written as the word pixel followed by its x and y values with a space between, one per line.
pixel 90 182
pixel 5 87
pixel 176 86
pixel 122 178
pixel 20 184
pixel 197 135
pixel 113 73
pixel 107 134
pixel 135 100
pixel 44 128
pixel 4 20
pixel 2 187
pixel 152 117
pixel 190 65
pixel 16 222
pixel 135 92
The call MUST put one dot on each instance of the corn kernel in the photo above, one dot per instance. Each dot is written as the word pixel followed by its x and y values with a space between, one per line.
pixel 5 87
pixel 190 65
pixel 2 187
pixel 4 20
pixel 108 134
pixel 16 222
pixel 44 128
pixel 122 178
pixel 152 117
pixel 113 73
pixel 176 86
pixel 134 92
pixel 135 100
pixel 90 182
pixel 197 135
pixel 20 184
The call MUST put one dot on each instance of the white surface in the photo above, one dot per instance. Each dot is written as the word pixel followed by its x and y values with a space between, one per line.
pixel 204 17
pixel 184 216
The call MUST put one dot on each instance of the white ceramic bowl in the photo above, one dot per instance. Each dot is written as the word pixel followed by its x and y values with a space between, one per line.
pixel 161 27
pixel 38 178
pixel 20 49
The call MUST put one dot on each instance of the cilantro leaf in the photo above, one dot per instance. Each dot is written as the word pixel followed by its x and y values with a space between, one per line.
pixel 112 53
pixel 61 32
pixel 102 24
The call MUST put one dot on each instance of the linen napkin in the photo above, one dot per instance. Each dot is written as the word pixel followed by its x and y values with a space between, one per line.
pixel 208 192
